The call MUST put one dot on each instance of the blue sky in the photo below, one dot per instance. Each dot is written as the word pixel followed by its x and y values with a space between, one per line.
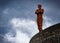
pixel 18 19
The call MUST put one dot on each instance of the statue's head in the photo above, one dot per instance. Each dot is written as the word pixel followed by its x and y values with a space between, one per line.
pixel 39 6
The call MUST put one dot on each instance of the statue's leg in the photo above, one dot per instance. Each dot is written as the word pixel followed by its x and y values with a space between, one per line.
pixel 39 23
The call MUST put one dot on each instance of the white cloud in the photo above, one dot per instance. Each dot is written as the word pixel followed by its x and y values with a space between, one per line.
pixel 22 37
pixel 24 25
pixel 24 29
pixel 9 37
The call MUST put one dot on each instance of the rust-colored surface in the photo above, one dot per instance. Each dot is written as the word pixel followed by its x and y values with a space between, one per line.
pixel 39 12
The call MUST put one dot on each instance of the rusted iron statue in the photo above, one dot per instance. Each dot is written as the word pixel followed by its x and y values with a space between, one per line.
pixel 39 12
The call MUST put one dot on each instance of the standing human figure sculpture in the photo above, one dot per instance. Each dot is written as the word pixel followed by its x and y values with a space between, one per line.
pixel 39 12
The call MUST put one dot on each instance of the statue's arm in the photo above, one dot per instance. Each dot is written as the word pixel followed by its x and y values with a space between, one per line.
pixel 36 12
pixel 39 12
pixel 42 11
